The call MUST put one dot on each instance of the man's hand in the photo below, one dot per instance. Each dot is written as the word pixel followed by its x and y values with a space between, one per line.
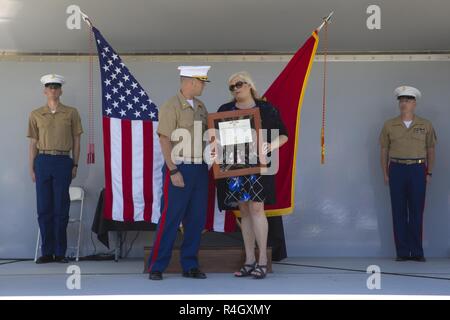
pixel 384 161
pixel 74 172
pixel 213 155
pixel 428 178
pixel 177 180
pixel 386 179
pixel 32 157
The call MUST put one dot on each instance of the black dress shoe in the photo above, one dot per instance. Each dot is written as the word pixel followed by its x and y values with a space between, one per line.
pixel 155 275
pixel 194 273
pixel 45 259
pixel 419 259
pixel 402 259
pixel 61 259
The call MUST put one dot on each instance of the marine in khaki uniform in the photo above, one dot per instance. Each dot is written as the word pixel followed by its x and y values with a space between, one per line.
pixel 407 159
pixel 182 123
pixel 54 131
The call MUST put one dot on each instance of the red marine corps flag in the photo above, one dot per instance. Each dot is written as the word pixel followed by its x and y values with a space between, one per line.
pixel 286 93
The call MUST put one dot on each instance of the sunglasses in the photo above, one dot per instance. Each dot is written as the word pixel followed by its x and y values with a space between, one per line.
pixel 237 85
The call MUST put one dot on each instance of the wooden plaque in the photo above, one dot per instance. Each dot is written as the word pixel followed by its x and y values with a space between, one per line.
pixel 236 137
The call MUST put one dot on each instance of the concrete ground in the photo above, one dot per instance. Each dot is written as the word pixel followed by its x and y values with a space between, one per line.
pixel 301 276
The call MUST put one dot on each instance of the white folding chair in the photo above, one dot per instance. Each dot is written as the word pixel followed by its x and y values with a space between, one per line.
pixel 76 194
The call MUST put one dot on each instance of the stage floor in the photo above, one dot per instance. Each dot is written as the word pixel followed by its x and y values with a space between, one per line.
pixel 316 276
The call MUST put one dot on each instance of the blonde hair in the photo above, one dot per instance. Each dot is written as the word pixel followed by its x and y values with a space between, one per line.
pixel 245 76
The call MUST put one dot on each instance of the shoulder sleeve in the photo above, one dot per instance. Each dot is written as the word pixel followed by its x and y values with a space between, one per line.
pixel 224 107
pixel 431 137
pixel 33 131
pixel 77 128
pixel 277 122
pixel 384 137
pixel 167 121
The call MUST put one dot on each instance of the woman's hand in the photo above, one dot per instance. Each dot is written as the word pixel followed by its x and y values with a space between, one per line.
pixel 276 144
pixel 266 148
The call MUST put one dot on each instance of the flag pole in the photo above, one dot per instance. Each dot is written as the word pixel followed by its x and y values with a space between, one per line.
pixel 86 19
pixel 325 20
pixel 91 145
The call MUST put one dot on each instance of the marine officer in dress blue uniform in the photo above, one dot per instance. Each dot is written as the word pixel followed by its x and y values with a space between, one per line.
pixel 185 175
pixel 54 131
pixel 407 159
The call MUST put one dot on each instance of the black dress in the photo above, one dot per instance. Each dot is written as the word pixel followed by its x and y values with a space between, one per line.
pixel 258 188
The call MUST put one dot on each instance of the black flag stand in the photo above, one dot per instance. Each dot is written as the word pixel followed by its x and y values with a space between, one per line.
pixel 276 238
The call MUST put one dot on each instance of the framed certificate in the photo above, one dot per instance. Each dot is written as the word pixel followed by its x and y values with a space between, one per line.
pixel 236 138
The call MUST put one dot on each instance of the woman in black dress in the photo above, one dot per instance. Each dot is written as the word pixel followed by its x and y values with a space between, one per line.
pixel 250 193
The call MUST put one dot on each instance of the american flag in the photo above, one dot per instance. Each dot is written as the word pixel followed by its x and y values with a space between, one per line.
pixel 133 158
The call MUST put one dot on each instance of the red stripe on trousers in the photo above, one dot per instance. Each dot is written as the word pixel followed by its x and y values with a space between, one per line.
pixel 211 208
pixel 148 169
pixel 127 178
pixel 107 199
pixel 162 220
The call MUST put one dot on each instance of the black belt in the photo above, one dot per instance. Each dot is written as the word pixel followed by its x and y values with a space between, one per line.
pixel 408 161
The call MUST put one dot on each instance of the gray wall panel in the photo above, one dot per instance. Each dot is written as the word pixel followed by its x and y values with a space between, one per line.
pixel 342 208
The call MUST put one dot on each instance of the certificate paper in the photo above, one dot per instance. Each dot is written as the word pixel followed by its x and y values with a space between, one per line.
pixel 235 132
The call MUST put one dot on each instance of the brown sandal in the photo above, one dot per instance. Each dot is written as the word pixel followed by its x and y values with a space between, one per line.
pixel 246 270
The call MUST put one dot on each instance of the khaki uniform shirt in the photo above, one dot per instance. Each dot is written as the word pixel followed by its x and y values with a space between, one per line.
pixel 177 113
pixel 54 131
pixel 408 143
